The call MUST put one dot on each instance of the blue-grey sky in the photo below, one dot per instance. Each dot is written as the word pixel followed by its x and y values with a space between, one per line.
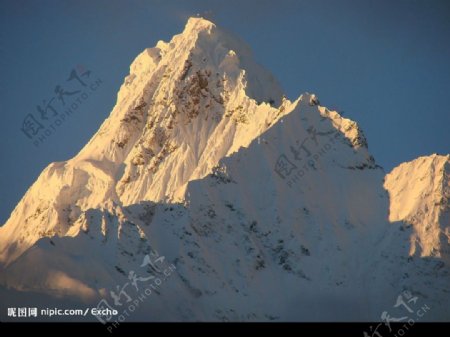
pixel 386 64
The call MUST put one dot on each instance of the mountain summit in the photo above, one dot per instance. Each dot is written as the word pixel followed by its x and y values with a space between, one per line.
pixel 266 208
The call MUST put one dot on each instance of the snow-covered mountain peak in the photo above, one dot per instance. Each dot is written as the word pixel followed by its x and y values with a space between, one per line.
pixel 185 104
pixel 247 192
pixel 180 98
pixel 202 70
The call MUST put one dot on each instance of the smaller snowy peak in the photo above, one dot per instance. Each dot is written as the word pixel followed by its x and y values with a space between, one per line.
pixel 419 193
